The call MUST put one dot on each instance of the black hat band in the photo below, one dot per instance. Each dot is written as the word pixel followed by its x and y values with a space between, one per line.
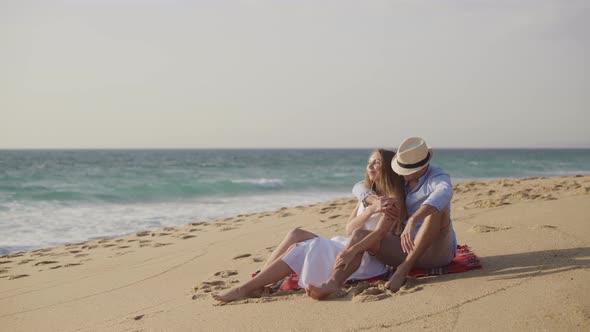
pixel 418 164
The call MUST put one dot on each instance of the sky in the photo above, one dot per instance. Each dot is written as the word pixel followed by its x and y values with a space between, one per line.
pixel 294 74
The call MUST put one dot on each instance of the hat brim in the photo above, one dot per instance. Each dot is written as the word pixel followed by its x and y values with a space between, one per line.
pixel 408 171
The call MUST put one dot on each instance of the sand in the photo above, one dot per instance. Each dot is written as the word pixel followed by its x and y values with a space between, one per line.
pixel 532 236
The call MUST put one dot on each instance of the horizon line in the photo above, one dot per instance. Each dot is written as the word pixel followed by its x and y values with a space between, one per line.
pixel 286 148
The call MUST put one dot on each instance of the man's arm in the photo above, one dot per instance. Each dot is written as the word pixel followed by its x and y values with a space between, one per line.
pixel 442 192
pixel 439 198
pixel 361 192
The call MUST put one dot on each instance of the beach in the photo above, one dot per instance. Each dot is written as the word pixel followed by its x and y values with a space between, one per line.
pixel 531 235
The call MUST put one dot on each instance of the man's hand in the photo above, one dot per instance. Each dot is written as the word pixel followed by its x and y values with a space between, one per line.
pixel 383 204
pixel 407 237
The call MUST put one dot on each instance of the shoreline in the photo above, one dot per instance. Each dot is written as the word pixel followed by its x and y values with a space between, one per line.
pixel 457 186
pixel 528 233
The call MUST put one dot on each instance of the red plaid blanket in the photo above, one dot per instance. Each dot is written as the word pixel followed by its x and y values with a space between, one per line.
pixel 464 260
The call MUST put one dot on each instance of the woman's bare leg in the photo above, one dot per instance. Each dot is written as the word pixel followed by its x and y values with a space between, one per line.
pixel 294 236
pixel 430 229
pixel 273 273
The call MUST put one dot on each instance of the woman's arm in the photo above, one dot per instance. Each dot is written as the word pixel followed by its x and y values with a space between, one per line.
pixel 380 205
pixel 356 222
pixel 384 226
pixel 386 222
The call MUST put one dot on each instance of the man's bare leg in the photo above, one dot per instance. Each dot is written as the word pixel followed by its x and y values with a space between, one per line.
pixel 294 236
pixel 273 273
pixel 429 230
pixel 340 274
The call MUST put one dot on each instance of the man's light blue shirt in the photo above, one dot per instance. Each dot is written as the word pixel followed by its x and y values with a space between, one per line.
pixel 434 188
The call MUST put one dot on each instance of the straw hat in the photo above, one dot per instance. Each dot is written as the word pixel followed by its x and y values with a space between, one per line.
pixel 412 155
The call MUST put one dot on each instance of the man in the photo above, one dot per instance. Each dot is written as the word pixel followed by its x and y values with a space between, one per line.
pixel 428 239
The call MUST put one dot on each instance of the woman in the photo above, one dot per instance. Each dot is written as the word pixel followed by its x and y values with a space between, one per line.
pixel 313 259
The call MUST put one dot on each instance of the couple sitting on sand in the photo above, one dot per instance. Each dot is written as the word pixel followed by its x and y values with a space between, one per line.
pixel 378 232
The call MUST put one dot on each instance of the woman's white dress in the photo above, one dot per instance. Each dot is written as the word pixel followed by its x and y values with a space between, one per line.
pixel 313 260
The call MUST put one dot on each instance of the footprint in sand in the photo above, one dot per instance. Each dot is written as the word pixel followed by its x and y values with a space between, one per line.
pixel 195 230
pixel 226 273
pixel 89 247
pixel 242 256
pixel 45 263
pixel 144 233
pixel 80 255
pixel 163 234
pixel 72 264
pixel 224 229
pixel 409 288
pixel 12 256
pixel 334 216
pixel 25 261
pixel 5 262
pixel 284 215
pixel 198 223
pixel 75 251
pixel 3 271
pixel 55 267
pixel 188 236
pixel 488 229
pixel 271 249
pixel 257 260
pixel 17 276
pixel 109 245
pixel 544 227
pixel 161 244
pixel 209 286
pixel 371 295
pixel 326 210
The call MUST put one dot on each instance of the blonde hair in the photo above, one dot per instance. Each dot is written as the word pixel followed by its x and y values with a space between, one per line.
pixel 390 183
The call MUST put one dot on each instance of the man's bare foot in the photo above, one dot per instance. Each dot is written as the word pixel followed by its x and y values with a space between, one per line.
pixel 398 279
pixel 234 294
pixel 322 291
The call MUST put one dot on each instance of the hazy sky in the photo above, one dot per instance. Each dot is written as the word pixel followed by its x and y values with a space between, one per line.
pixel 279 74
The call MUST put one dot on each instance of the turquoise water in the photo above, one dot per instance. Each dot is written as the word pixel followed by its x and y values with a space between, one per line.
pixel 51 197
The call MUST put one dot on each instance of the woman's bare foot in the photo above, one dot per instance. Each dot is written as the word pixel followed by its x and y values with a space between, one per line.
pixel 398 279
pixel 322 291
pixel 234 294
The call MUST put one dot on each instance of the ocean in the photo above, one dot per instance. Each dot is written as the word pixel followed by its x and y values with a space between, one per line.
pixel 52 197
